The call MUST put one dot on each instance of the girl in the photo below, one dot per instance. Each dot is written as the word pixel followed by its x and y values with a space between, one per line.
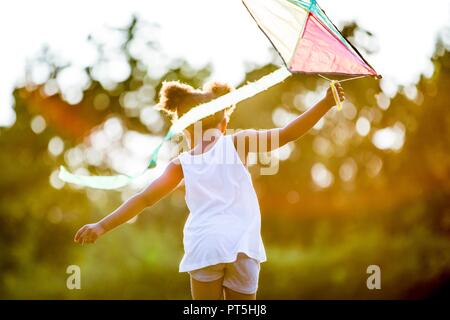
pixel 221 237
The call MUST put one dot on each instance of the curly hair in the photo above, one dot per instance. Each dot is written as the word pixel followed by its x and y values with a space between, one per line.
pixel 176 98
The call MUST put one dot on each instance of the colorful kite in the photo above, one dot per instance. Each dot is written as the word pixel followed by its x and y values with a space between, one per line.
pixel 307 41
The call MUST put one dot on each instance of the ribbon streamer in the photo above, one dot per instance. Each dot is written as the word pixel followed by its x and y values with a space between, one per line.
pixel 202 111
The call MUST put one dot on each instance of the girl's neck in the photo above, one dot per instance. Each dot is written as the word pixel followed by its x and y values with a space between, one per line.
pixel 200 143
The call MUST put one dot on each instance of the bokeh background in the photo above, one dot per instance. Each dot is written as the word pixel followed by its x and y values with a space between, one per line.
pixel 368 185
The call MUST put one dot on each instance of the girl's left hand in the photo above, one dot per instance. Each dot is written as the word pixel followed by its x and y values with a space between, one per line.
pixel 89 233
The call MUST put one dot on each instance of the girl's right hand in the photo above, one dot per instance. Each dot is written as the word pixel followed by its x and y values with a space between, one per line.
pixel 329 98
pixel 89 233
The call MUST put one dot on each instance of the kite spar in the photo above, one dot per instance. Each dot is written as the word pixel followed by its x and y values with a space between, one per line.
pixel 308 43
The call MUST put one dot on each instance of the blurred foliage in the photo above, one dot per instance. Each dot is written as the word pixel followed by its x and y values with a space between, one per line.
pixel 369 185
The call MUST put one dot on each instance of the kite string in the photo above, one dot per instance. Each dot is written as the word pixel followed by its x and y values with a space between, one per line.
pixel 334 90
pixel 339 81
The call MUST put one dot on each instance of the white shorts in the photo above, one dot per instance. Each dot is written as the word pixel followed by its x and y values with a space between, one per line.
pixel 240 276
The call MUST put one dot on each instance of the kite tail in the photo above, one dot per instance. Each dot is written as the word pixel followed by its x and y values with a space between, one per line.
pixel 154 157
pixel 192 116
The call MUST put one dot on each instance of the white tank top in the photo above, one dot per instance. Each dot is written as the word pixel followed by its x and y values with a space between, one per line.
pixel 224 217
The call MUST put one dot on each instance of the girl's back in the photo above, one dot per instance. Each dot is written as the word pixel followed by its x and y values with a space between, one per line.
pixel 224 217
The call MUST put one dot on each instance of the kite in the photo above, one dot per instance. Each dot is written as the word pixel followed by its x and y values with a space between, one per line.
pixel 307 42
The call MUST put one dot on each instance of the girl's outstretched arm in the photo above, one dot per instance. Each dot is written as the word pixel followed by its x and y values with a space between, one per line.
pixel 264 140
pixel 159 188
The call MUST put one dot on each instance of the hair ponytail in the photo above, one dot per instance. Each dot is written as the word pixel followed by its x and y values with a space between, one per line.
pixel 176 98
